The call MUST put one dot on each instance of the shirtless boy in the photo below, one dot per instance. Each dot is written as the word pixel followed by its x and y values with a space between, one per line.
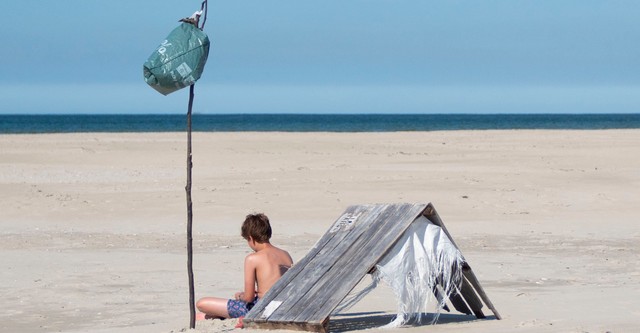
pixel 262 269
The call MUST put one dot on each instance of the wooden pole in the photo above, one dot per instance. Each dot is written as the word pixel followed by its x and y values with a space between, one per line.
pixel 192 308
pixel 192 300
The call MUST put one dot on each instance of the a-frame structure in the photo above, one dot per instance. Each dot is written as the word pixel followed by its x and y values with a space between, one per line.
pixel 304 298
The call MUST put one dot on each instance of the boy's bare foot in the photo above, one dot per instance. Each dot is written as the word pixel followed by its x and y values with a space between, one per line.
pixel 204 316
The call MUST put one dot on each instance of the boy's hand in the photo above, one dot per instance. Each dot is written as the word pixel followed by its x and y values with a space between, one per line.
pixel 239 295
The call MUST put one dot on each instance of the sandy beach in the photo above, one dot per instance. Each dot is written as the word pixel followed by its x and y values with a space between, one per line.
pixel 93 224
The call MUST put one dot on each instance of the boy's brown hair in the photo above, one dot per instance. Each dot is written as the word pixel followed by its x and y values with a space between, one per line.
pixel 257 226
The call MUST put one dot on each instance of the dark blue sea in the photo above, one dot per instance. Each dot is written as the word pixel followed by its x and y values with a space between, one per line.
pixel 311 122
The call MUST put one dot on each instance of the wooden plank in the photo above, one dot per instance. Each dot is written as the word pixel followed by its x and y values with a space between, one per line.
pixel 362 255
pixel 289 281
pixel 468 273
pixel 439 298
pixel 455 298
pixel 472 299
pixel 431 214
pixel 322 261
pixel 325 262
pixel 350 268
pixel 459 303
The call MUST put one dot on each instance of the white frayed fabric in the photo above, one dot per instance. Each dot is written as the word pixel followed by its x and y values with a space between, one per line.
pixel 195 15
pixel 423 260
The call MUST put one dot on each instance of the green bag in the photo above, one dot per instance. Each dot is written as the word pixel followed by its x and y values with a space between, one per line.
pixel 179 60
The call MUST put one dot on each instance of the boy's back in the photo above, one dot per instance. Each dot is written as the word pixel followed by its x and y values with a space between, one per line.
pixel 269 263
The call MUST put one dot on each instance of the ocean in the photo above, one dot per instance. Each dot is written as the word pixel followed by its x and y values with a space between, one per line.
pixel 311 122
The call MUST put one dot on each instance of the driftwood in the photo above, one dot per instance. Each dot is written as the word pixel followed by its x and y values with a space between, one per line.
pixel 192 302
pixel 192 308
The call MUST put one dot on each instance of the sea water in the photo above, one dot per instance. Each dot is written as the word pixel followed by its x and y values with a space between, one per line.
pixel 310 122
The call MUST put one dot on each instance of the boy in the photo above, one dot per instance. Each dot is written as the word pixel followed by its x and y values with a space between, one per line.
pixel 262 269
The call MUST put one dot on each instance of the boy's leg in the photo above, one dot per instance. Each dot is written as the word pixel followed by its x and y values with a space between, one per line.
pixel 213 307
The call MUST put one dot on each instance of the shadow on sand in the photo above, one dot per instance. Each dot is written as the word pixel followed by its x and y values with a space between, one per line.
pixel 366 320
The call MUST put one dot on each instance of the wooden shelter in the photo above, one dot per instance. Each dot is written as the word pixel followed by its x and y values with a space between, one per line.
pixel 304 298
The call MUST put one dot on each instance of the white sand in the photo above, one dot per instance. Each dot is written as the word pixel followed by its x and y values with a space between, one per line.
pixel 93 225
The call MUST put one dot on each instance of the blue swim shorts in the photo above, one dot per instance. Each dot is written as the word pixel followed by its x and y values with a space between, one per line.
pixel 238 308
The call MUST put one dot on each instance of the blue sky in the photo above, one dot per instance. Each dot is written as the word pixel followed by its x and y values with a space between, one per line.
pixel 347 56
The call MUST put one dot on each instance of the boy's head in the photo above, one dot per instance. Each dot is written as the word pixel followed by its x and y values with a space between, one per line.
pixel 257 227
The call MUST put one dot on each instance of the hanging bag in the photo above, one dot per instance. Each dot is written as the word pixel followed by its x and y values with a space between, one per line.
pixel 179 60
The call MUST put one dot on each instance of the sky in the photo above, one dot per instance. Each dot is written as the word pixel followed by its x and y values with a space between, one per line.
pixel 331 56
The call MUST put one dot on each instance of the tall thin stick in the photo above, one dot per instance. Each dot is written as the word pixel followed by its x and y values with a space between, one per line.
pixel 192 308
pixel 192 300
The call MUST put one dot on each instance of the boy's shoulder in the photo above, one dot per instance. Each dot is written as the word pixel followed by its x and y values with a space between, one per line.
pixel 252 261
pixel 258 255
pixel 252 256
pixel 265 254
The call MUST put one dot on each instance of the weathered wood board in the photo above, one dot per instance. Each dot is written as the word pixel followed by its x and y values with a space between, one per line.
pixel 305 296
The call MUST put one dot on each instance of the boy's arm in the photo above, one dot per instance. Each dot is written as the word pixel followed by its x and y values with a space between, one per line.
pixel 250 265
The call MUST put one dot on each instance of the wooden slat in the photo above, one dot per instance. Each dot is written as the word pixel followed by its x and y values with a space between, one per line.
pixel 370 223
pixel 439 298
pixel 298 297
pixel 358 260
pixel 468 273
pixel 431 214
pixel 472 299
pixel 459 303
